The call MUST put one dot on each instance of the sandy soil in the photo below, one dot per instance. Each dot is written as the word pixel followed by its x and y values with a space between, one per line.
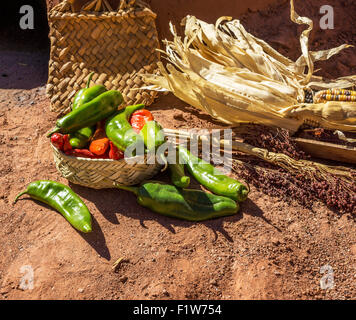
pixel 269 250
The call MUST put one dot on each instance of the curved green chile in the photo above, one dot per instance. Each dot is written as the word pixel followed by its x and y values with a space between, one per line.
pixel 191 205
pixel 211 178
pixel 81 138
pixel 118 128
pixel 178 176
pixel 87 94
pixel 89 113
pixel 152 134
pixel 63 199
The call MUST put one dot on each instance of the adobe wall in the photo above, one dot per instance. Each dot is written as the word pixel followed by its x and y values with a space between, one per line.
pixel 207 10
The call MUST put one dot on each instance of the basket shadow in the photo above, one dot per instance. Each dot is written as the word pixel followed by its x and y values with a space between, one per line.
pixel 103 199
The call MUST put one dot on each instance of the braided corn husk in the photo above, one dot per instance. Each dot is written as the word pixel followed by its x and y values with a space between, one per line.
pixel 236 77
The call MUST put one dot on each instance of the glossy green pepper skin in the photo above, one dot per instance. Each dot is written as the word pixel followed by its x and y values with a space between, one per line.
pixel 191 205
pixel 118 128
pixel 87 94
pixel 152 134
pixel 211 178
pixel 177 175
pixel 63 199
pixel 80 138
pixel 89 113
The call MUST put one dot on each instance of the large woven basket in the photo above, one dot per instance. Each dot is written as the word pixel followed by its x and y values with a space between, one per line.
pixel 118 46
pixel 103 173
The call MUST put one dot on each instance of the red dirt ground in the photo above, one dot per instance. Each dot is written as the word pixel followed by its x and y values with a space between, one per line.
pixel 269 250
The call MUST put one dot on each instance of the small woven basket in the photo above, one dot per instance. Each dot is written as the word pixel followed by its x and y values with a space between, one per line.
pixel 104 173
pixel 118 46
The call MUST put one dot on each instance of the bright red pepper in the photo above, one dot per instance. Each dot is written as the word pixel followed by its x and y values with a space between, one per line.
pixel 84 153
pixel 115 153
pixel 139 118
pixel 57 140
pixel 67 148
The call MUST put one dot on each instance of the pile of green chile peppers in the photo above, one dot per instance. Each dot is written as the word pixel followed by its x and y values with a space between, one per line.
pixel 93 104
pixel 191 205
pixel 63 199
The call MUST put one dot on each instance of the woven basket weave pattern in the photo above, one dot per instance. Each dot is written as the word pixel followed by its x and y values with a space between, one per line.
pixel 117 46
pixel 102 173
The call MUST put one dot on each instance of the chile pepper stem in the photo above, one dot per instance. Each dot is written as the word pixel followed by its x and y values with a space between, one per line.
pixel 127 188
pixel 185 180
pixel 56 129
pixel 89 79
pixel 164 160
pixel 19 195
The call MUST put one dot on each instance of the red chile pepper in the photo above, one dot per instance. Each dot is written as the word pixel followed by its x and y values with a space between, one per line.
pixel 57 140
pixel 114 152
pixel 85 153
pixel 139 118
pixel 67 148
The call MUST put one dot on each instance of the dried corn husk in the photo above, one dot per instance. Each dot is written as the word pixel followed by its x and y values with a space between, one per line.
pixel 236 77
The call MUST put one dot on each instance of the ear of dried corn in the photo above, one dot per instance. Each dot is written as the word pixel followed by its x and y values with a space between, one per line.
pixel 236 77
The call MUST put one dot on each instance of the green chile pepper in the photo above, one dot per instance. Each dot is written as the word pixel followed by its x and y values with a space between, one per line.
pixel 177 174
pixel 211 178
pixel 191 205
pixel 87 94
pixel 153 135
pixel 118 128
pixel 89 113
pixel 81 138
pixel 63 199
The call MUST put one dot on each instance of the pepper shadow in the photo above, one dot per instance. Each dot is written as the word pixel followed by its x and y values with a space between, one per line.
pixel 250 208
pixel 95 238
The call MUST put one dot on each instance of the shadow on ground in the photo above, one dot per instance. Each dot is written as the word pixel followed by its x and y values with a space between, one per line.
pixel 112 203
pixel 23 70
pixel 24 53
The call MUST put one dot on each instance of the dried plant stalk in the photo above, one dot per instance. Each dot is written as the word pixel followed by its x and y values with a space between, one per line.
pixel 311 169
